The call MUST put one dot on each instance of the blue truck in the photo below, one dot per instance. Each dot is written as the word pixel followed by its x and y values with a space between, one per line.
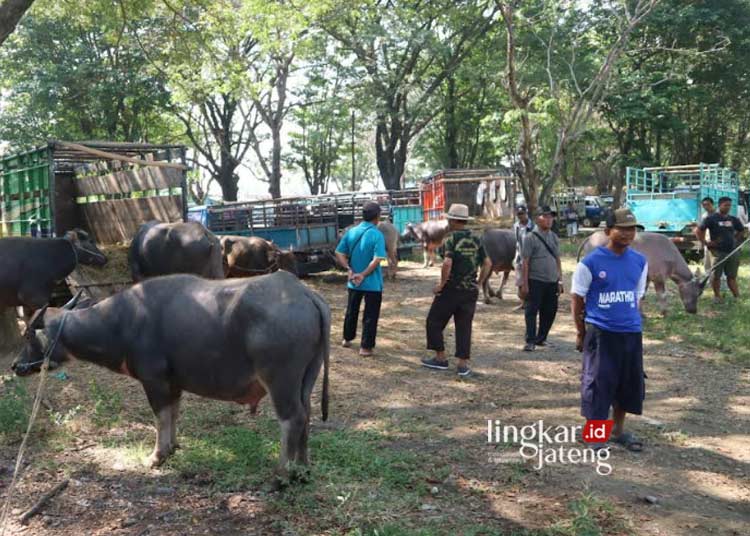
pixel 667 200
pixel 310 226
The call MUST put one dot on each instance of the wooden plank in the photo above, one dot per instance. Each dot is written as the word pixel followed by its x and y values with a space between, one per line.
pixel 123 182
pixel 118 220
pixel 113 156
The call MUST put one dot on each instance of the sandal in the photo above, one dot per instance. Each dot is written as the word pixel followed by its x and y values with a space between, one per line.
pixel 629 441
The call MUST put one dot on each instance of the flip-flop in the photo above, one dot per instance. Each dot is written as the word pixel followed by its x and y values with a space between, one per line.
pixel 629 441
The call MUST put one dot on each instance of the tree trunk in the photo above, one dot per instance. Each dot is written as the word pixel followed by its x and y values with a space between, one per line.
pixel 451 133
pixel 11 12
pixel 390 149
pixel 274 187
pixel 228 179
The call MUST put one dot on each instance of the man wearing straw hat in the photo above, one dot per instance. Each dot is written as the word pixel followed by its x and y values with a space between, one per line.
pixel 457 292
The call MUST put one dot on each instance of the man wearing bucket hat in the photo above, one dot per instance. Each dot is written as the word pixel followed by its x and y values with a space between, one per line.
pixel 457 292
pixel 607 286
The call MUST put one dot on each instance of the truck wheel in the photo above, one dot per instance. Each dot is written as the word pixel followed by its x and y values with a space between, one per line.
pixel 586 222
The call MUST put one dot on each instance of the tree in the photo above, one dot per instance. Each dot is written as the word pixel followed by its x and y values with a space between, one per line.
pixel 467 133
pixel 557 35
pixel 323 119
pixel 281 37
pixel 403 52
pixel 680 96
pixel 78 74
pixel 11 12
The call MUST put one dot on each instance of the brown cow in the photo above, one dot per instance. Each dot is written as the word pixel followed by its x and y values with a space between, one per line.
pixel 248 256
pixel 430 233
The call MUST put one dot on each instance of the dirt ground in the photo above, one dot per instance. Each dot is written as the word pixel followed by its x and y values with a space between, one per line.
pixel 695 468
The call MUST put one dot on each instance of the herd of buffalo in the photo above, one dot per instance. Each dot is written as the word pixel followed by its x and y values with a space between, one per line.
pixel 195 320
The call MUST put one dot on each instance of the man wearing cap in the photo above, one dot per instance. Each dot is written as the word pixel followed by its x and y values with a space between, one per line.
pixel 360 252
pixel 541 279
pixel 521 227
pixel 457 292
pixel 726 232
pixel 608 285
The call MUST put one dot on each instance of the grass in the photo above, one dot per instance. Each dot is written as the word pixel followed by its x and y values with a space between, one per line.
pixel 15 409
pixel 716 327
pixel 107 405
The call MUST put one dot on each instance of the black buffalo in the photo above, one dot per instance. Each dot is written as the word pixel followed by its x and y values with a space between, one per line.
pixel 233 340
pixel 30 267
pixel 175 248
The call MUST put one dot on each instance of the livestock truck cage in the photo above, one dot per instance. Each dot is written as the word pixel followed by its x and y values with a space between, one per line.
pixel 489 193
pixel 310 226
pixel 667 199
pixel 106 188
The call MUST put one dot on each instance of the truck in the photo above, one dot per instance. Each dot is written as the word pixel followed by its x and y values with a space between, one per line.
pixel 311 226
pixel 667 200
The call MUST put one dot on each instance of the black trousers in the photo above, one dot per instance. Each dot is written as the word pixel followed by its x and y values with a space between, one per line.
pixel 369 320
pixel 459 304
pixel 542 301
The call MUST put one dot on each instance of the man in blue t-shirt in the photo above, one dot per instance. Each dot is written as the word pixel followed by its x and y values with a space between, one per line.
pixel 360 252
pixel 608 285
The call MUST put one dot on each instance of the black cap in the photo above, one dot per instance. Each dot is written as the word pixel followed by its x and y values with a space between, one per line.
pixel 370 211
pixel 521 209
pixel 545 210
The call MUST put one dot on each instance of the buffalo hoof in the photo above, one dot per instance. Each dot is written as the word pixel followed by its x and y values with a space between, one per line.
pixel 488 300
pixel 294 473
pixel 155 460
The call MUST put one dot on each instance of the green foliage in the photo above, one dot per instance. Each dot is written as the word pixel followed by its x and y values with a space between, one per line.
pixel 680 97
pixel 73 72
pixel 592 516
pixel 107 404
pixel 323 119
pixel 15 409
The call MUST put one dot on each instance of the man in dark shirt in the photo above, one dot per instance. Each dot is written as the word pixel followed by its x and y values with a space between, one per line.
pixel 456 294
pixel 541 279
pixel 726 231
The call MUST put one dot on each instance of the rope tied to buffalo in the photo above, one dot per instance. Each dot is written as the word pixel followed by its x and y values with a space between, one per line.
pixel 32 418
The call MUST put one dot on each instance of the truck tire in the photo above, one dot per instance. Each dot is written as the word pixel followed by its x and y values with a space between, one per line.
pixel 587 222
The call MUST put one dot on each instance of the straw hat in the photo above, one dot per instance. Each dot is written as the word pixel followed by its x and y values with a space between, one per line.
pixel 459 212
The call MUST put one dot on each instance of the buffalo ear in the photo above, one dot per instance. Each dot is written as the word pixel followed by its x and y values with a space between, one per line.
pixel 74 300
pixel 37 321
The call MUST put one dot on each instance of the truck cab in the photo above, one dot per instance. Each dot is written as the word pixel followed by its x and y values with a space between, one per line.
pixel 594 211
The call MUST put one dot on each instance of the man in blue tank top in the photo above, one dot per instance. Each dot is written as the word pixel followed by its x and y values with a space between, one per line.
pixel 608 285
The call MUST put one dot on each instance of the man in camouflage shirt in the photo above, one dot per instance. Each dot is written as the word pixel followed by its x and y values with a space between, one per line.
pixel 456 294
